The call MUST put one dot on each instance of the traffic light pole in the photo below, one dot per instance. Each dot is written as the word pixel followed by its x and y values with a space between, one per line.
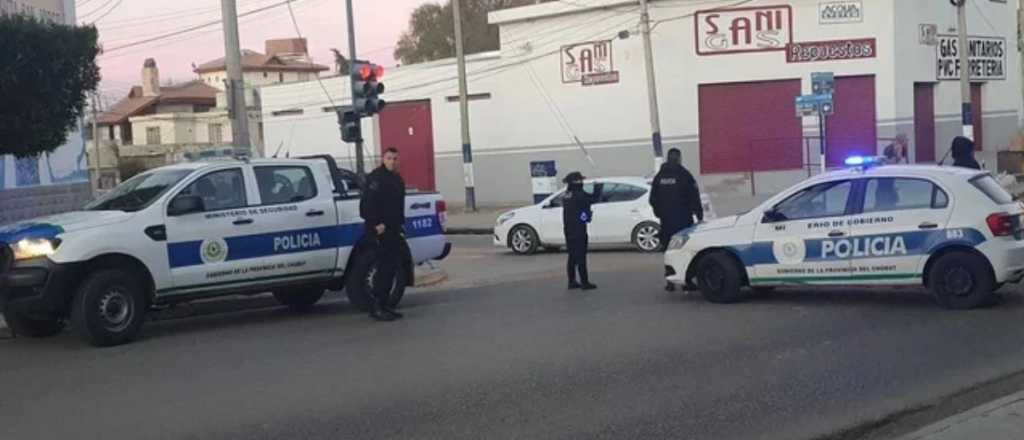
pixel 360 166
pixel 467 148
pixel 652 89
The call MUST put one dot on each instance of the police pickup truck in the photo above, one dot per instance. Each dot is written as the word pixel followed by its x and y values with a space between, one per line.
pixel 199 230
pixel 953 230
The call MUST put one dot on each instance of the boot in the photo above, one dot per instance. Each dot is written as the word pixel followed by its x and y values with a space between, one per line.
pixel 669 287
pixel 573 285
pixel 588 286
pixel 391 311
pixel 377 313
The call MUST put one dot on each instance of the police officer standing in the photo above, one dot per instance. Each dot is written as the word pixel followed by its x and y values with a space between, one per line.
pixel 576 214
pixel 383 209
pixel 675 199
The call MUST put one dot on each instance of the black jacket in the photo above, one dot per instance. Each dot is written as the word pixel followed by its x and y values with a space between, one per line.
pixel 963 153
pixel 576 211
pixel 383 200
pixel 675 196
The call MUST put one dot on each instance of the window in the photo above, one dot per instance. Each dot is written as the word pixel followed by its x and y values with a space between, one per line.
pixel 216 133
pixel 822 200
pixel 265 74
pixel 153 135
pixel 988 185
pixel 138 192
pixel 620 192
pixel 285 184
pixel 558 200
pixel 220 190
pixel 280 77
pixel 895 194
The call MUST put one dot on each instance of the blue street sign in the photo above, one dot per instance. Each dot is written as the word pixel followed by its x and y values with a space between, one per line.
pixel 813 105
pixel 822 83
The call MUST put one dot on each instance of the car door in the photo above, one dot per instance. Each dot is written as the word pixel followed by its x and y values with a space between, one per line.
pixel 617 213
pixel 901 219
pixel 804 239
pixel 296 221
pixel 198 248
pixel 550 228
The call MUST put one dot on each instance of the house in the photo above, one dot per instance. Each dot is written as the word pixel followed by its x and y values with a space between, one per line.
pixel 285 61
pixel 568 85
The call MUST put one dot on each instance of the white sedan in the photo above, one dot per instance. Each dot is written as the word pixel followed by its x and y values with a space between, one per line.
pixel 622 216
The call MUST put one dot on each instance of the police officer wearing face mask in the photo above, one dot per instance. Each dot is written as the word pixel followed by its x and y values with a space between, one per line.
pixel 383 210
pixel 675 199
pixel 576 214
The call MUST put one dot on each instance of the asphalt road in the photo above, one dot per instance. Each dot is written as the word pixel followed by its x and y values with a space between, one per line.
pixel 518 359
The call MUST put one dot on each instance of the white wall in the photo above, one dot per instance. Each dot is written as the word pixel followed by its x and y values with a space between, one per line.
pixel 256 79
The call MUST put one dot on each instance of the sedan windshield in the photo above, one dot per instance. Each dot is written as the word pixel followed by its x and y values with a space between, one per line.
pixel 138 192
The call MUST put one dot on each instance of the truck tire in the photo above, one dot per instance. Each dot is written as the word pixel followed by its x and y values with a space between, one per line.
pixel 109 308
pixel 359 285
pixel 22 324
pixel 300 298
pixel 719 278
pixel 961 280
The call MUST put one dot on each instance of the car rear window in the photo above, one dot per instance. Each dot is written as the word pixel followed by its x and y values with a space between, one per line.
pixel 988 185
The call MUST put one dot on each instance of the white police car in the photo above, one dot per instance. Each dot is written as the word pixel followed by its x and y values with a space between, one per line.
pixel 953 230
pixel 200 230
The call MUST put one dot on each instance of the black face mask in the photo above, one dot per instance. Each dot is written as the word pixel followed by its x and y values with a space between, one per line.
pixel 575 186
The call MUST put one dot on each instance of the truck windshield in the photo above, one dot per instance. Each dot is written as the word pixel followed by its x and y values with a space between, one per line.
pixel 138 192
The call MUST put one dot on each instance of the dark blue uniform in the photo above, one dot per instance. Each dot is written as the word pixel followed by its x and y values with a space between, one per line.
pixel 383 202
pixel 576 214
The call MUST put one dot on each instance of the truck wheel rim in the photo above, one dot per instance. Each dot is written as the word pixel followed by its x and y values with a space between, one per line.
pixel 713 277
pixel 521 240
pixel 647 238
pixel 958 281
pixel 116 309
pixel 371 275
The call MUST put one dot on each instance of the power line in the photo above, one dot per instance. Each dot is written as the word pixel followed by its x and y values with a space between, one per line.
pixel 94 11
pixel 108 11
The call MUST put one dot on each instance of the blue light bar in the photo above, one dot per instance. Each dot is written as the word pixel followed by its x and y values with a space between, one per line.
pixel 854 161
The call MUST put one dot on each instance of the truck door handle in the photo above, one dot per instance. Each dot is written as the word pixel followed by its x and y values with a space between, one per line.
pixel 242 221
pixel 836 234
pixel 927 225
pixel 314 213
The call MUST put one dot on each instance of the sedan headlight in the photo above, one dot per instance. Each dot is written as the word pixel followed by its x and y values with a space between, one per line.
pixel 34 247
pixel 678 242
pixel 504 218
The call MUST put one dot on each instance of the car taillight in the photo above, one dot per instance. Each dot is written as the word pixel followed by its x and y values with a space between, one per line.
pixel 442 212
pixel 1001 224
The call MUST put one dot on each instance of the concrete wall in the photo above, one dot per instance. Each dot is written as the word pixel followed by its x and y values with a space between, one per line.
pixel 24 203
pixel 256 79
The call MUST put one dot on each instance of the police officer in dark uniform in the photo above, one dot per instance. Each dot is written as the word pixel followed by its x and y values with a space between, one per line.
pixel 576 214
pixel 383 209
pixel 675 199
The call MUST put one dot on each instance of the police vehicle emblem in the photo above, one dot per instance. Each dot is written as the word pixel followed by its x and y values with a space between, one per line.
pixel 789 250
pixel 213 251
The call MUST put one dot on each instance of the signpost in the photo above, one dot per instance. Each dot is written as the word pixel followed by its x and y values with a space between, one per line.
pixel 820 104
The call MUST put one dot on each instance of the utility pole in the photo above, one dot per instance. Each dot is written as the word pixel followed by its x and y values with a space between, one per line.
pixel 965 71
pixel 96 141
pixel 360 166
pixel 467 149
pixel 652 89
pixel 235 83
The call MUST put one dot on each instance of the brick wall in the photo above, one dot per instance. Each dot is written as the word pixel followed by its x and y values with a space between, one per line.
pixel 24 203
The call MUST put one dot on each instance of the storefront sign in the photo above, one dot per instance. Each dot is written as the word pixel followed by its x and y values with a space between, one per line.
pixel 928 34
pixel 757 29
pixel 584 59
pixel 596 79
pixel 850 11
pixel 835 50
pixel 987 57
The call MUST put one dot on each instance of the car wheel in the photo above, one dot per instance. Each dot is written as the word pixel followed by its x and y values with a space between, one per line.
pixel 523 240
pixel 646 237
pixel 359 286
pixel 960 280
pixel 299 298
pixel 719 278
pixel 109 308
pixel 22 324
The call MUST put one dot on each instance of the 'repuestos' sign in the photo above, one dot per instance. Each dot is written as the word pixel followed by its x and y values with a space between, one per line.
pixel 986 57
pixel 836 50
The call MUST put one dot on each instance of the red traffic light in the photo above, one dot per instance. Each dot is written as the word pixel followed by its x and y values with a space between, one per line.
pixel 378 71
pixel 365 71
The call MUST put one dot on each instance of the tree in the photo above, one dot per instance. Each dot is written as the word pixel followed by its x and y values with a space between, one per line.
pixel 341 64
pixel 431 32
pixel 48 70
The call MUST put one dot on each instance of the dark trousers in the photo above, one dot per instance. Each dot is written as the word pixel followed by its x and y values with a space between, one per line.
pixel 577 259
pixel 389 257
pixel 670 227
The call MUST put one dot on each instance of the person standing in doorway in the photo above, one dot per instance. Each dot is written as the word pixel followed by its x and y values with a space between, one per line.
pixel 963 153
pixel 896 152
pixel 576 214
pixel 675 198
pixel 383 209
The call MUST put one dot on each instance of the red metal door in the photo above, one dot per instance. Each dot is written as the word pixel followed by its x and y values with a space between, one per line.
pixel 977 109
pixel 852 130
pixel 924 122
pixel 408 127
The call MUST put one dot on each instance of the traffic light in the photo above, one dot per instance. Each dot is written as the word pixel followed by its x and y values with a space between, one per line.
pixel 366 87
pixel 351 128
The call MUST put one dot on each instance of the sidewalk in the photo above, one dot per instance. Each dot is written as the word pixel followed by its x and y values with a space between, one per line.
pixel 482 221
pixel 1002 419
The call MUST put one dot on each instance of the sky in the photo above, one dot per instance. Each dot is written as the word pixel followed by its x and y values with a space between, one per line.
pixel 322 22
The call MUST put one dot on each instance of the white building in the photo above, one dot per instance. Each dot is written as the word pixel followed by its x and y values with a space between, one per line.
pixel 728 73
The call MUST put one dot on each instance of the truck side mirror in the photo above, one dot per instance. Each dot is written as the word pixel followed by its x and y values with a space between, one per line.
pixel 185 204
pixel 772 216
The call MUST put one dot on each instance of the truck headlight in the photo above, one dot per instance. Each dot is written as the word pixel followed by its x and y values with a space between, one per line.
pixel 504 218
pixel 34 247
pixel 678 242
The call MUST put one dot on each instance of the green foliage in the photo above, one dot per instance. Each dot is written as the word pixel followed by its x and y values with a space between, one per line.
pixel 46 73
